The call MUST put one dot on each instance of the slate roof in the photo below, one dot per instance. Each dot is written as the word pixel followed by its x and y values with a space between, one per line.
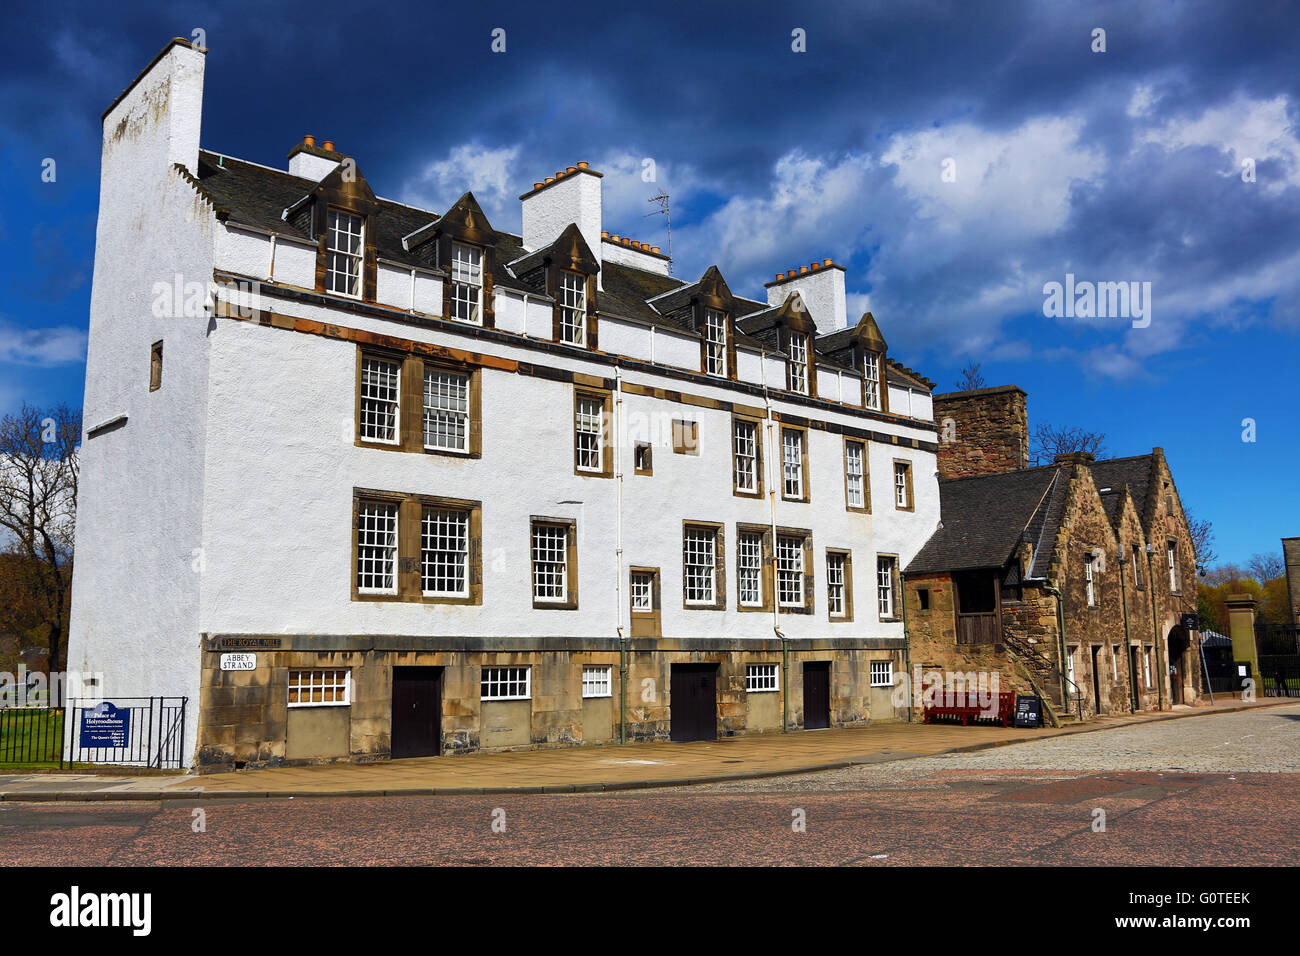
pixel 248 194
pixel 984 518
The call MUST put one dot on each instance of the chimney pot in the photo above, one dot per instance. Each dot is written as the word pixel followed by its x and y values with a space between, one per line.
pixel 654 249
pixel 627 241
pixel 803 270
pixel 570 169
pixel 816 266
pixel 309 140
pixel 582 164
pixel 827 262
pixel 615 237
pixel 604 234
pixel 328 145
pixel 790 273
pixel 549 179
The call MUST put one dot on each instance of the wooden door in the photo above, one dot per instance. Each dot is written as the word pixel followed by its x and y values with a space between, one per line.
pixel 816 695
pixel 693 702
pixel 417 712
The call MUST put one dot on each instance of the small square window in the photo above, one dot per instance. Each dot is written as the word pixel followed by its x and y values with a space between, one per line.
pixel 506 683
pixel 882 673
pixel 686 437
pixel 643 458
pixel 319 688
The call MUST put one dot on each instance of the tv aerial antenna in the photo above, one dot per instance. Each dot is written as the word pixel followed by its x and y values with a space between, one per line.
pixel 661 199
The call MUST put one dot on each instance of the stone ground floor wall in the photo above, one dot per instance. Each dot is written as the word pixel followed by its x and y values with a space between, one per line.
pixel 245 720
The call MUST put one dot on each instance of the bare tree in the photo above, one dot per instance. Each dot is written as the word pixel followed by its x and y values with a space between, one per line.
pixel 971 378
pixel 1265 567
pixel 1052 440
pixel 38 502
pixel 1202 532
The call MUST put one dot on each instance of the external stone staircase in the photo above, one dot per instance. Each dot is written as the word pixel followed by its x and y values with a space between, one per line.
pixel 1045 677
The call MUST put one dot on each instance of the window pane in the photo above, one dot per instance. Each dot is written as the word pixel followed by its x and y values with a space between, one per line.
pixel 550 561
pixel 343 246
pixel 376 546
pixel 789 571
pixel 746 452
pixel 573 308
pixel 749 568
pixel 698 563
pixel 444 552
pixel 380 388
pixel 588 420
pixel 446 410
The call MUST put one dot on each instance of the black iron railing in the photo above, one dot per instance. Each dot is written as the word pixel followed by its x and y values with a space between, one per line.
pixel 131 731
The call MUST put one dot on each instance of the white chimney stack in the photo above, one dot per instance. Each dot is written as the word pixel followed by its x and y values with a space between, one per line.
pixel 570 196
pixel 821 286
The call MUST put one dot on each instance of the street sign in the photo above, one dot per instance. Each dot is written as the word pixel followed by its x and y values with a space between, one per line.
pixel 1191 622
pixel 1029 710
pixel 105 725
pixel 239 662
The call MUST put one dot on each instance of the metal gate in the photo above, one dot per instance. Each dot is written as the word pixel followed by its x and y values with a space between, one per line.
pixel 152 734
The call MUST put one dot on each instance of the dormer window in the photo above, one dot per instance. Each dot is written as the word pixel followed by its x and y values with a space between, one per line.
pixel 715 342
pixel 871 379
pixel 797 351
pixel 466 283
pixel 573 308
pixel 343 247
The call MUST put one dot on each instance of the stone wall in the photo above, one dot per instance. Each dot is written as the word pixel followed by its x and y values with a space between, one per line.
pixel 244 718
pixel 1291 554
pixel 982 432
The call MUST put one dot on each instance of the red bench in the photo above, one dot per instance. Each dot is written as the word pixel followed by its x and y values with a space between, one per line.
pixel 962 708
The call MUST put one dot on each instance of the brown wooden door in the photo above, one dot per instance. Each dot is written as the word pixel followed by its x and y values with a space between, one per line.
pixel 417 711
pixel 693 702
pixel 816 695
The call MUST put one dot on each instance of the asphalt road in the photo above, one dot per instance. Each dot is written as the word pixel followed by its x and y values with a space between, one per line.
pixel 1209 790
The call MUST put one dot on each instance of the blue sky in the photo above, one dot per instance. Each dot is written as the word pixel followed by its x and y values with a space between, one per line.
pixel 1123 165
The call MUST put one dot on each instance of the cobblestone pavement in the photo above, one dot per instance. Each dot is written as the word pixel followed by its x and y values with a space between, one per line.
pixel 1266 741
pixel 1222 789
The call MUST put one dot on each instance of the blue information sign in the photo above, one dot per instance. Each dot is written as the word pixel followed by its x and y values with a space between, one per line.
pixel 105 726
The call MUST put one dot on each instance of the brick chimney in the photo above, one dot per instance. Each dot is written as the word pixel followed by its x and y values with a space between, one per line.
pixel 982 432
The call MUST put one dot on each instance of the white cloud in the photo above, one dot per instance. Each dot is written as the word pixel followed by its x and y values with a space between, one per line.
pixel 1243 128
pixel 488 172
pixel 59 345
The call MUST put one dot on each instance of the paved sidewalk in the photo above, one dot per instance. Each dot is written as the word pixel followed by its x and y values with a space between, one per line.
pixel 577 770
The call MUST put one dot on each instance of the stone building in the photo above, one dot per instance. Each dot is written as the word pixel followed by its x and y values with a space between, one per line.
pixel 1291 560
pixel 363 480
pixel 1069 579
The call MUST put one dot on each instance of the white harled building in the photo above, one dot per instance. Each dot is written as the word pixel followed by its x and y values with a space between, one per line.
pixel 362 480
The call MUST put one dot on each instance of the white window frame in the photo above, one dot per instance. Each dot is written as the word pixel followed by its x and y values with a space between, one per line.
pixel 1146 664
pixel 573 308
pixel 641 586
pixel 885 587
pixel 466 283
pixel 1114 665
pixel 506 683
pixel 1069 665
pixel 446 404
pixel 695 573
pixel 335 252
pixel 745 455
pixel 543 569
pixel 1089 583
pixel 855 485
pixel 370 549
pixel 882 673
pixel 381 398
pixel 715 342
pixel 901 499
pixel 790 569
pixel 597 681
pixel 836 584
pixel 762 679
pixel 792 469
pixel 797 355
pixel 330 685
pixel 871 379
pixel 587 432
pixel 749 568
pixel 1171 555
pixel 445 526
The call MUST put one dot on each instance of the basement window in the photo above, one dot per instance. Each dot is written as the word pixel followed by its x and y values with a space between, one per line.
pixel 320 688
pixel 761 678
pixel 506 683
pixel 882 673
pixel 597 681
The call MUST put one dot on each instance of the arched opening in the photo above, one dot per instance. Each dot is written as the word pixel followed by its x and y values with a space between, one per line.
pixel 1178 642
